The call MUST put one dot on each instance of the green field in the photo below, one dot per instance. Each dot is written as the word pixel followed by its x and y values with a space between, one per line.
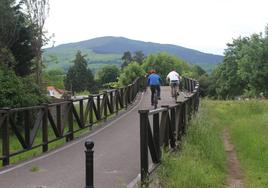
pixel 247 122
pixel 62 58
pixel 202 161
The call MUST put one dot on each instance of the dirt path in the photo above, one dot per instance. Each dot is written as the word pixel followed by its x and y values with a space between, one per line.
pixel 235 179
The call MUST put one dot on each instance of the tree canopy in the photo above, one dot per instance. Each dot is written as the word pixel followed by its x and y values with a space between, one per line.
pixel 16 35
pixel 244 70
pixel 79 77
pixel 108 73
pixel 130 73
pixel 163 63
pixel 16 56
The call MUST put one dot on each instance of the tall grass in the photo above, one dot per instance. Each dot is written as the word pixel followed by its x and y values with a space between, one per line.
pixel 248 127
pixel 202 160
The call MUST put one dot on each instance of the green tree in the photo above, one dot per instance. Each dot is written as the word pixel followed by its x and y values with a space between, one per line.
pixel 108 73
pixel 8 22
pixel 15 55
pixel 225 82
pixel 7 59
pixel 22 48
pixel 38 11
pixel 130 73
pixel 139 57
pixel 244 70
pixel 79 77
pixel 18 92
pixel 163 63
pixel 197 71
pixel 126 58
pixel 15 38
pixel 253 64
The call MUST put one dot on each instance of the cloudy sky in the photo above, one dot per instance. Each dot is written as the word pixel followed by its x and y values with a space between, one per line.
pixel 204 25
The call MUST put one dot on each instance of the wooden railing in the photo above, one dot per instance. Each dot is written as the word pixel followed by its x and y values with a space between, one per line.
pixel 52 122
pixel 164 127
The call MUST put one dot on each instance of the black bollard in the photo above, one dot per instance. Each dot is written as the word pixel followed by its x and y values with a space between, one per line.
pixel 89 163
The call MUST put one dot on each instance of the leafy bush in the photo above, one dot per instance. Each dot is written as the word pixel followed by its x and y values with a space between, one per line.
pixel 108 73
pixel 130 73
pixel 17 92
pixel 163 63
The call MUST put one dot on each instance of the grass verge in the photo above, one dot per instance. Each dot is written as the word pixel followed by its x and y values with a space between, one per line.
pixel 247 122
pixel 202 161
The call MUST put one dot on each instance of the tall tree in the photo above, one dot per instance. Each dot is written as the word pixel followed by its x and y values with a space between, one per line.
pixel 163 63
pixel 15 38
pixel 8 22
pixel 139 57
pixel 38 11
pixel 126 58
pixel 79 77
pixel 244 70
pixel 108 73
pixel 130 73
pixel 22 48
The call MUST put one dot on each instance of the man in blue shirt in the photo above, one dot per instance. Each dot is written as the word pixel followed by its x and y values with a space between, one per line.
pixel 154 81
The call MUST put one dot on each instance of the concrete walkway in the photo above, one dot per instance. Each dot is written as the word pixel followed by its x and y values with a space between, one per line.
pixel 116 156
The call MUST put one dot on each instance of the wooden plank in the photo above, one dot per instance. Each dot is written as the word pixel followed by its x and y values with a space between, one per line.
pixel 17 133
pixel 5 139
pixel 53 125
pixel 86 114
pixel 151 145
pixel 78 120
pixel 37 124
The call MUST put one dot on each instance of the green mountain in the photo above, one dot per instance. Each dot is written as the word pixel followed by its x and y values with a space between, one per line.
pixel 109 50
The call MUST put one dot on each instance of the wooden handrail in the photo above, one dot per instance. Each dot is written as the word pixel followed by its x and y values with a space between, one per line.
pixel 168 125
pixel 23 123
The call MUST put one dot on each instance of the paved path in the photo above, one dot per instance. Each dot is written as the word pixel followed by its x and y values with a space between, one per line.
pixel 116 157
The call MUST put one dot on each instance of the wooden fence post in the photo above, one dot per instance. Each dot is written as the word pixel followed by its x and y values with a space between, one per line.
pixel 70 122
pixel 144 144
pixel 5 137
pixel 27 128
pixel 157 135
pixel 172 128
pixel 45 128
pixel 81 112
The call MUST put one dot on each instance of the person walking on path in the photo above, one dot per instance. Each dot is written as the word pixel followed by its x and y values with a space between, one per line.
pixel 174 80
pixel 154 81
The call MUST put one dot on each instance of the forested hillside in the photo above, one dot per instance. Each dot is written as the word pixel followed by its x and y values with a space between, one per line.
pixel 109 50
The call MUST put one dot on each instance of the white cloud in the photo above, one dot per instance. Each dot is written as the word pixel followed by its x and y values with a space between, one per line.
pixel 205 25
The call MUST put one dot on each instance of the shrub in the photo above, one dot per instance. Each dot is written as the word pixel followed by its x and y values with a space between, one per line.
pixel 17 92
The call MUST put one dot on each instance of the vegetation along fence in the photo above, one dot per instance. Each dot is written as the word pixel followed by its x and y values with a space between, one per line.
pixel 167 126
pixel 38 126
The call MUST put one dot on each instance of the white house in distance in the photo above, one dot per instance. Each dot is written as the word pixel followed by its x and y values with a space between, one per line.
pixel 54 92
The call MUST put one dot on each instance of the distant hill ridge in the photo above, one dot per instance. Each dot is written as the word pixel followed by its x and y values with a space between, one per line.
pixel 119 45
